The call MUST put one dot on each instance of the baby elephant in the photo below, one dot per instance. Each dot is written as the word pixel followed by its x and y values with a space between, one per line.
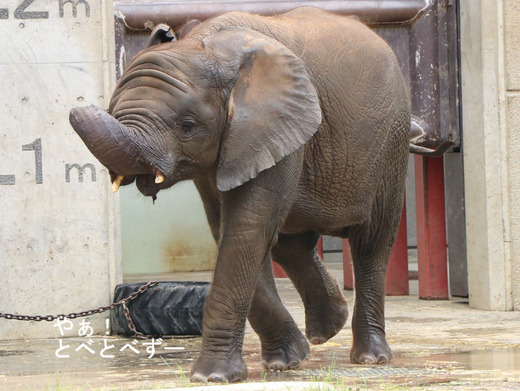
pixel 290 126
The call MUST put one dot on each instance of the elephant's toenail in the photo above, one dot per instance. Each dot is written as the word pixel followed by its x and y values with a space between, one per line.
pixel 368 359
pixel 215 378
pixel 276 366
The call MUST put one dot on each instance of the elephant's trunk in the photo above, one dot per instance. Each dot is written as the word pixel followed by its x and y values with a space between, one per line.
pixel 111 142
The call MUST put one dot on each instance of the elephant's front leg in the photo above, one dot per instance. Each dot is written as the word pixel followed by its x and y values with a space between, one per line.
pixel 250 218
pixel 225 311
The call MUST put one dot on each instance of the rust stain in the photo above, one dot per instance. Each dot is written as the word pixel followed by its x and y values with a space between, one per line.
pixel 183 254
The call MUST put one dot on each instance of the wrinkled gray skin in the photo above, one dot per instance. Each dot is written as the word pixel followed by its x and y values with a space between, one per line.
pixel 291 127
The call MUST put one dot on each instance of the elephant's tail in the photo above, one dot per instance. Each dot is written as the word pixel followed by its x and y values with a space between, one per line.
pixel 423 141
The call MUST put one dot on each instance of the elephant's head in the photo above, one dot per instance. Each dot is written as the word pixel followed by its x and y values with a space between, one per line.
pixel 235 102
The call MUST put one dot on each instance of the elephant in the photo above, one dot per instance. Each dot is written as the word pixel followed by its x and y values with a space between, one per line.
pixel 291 126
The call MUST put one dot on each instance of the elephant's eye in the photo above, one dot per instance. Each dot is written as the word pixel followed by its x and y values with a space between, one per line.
pixel 187 126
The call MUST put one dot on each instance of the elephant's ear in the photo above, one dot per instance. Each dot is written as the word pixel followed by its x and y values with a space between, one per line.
pixel 273 108
pixel 160 34
pixel 185 29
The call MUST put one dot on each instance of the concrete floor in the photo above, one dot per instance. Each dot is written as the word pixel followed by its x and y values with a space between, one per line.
pixel 436 344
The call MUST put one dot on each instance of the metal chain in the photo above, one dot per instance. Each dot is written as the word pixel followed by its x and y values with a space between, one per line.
pixel 131 325
pixel 73 315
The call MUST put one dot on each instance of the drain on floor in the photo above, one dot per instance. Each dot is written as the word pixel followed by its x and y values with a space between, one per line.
pixel 5 353
pixel 370 372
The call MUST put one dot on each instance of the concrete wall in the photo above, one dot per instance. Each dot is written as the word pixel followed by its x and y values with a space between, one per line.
pixel 512 86
pixel 490 65
pixel 59 230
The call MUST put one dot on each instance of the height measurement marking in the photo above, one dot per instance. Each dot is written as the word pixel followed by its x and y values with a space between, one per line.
pixel 81 171
pixel 21 13
pixel 36 146
pixel 7 180
pixel 74 7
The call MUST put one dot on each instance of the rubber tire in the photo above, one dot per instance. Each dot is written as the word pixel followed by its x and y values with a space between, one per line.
pixel 168 308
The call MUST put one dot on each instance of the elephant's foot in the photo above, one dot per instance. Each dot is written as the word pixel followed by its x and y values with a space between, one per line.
pixel 286 353
pixel 372 350
pixel 218 369
pixel 324 320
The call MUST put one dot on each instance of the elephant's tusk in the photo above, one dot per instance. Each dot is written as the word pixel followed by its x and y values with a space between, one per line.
pixel 117 183
pixel 159 178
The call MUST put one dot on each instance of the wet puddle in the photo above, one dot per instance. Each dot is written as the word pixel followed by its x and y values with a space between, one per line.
pixel 472 366
pixel 503 359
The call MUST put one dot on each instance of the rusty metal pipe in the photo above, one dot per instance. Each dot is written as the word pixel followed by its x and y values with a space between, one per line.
pixel 176 13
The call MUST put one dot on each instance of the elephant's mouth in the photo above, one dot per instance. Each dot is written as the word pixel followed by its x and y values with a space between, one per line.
pixel 148 184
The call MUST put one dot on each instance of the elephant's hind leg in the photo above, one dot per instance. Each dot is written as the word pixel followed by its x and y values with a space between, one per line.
pixel 326 309
pixel 370 246
pixel 283 344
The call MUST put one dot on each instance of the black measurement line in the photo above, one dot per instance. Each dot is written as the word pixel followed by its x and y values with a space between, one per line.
pixel 7 180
